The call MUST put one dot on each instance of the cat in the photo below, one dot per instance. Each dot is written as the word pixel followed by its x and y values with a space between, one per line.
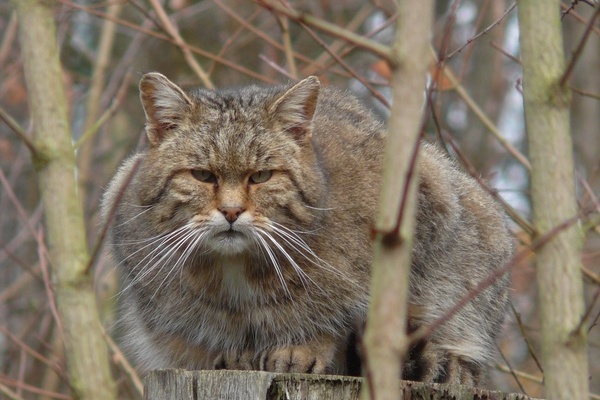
pixel 244 237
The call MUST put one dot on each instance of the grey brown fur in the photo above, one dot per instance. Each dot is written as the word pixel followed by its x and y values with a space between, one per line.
pixel 244 237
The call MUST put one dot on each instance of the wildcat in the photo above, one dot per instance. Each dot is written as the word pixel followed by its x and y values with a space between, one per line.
pixel 243 237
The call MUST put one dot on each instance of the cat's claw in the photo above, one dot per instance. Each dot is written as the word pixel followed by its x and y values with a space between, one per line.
pixel 297 359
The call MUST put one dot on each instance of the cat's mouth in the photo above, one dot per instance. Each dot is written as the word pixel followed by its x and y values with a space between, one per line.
pixel 230 242
pixel 230 234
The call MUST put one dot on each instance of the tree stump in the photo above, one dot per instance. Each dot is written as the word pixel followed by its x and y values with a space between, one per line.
pixel 180 384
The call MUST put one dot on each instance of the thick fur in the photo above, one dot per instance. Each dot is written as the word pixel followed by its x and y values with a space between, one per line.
pixel 223 268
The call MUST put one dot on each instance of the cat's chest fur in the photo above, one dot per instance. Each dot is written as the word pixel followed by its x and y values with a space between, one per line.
pixel 235 284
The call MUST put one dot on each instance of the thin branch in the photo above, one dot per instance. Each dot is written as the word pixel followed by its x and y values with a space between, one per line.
pixel 520 374
pixel 345 65
pixel 472 104
pixel 314 65
pixel 571 7
pixel 284 25
pixel 172 30
pixel 504 52
pixel 512 371
pixel 114 107
pixel 157 35
pixel 231 39
pixel 581 19
pixel 424 332
pixel 276 67
pixel 580 47
pixel 525 338
pixel 9 393
pixel 34 390
pixel 10 34
pixel 586 93
pixel 120 359
pixel 483 32
pixel 514 215
pixel 42 252
pixel 109 218
pixel 46 361
pixel 374 47
pixel 14 126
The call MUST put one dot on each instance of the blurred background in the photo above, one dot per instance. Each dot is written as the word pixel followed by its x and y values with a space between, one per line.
pixel 106 46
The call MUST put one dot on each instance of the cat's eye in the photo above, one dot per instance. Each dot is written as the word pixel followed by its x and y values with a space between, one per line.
pixel 261 176
pixel 204 176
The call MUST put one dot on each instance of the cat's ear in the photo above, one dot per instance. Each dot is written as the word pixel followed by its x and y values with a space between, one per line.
pixel 165 104
pixel 295 109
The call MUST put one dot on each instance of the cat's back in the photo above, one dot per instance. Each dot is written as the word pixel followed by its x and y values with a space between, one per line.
pixel 349 139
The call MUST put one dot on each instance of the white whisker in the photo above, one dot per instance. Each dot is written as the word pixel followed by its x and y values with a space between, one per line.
pixel 171 253
pixel 276 266
pixel 147 261
pixel 148 208
pixel 301 274
pixel 298 244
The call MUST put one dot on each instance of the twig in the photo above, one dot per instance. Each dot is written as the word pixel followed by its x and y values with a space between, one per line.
pixel 9 393
pixel 94 94
pixel 161 36
pixel 580 19
pixel 172 30
pixel 121 360
pixel 284 25
pixel 512 371
pixel 472 104
pixel 91 131
pixel 109 218
pixel 276 67
pixel 331 29
pixel 580 47
pixel 47 284
pixel 34 390
pixel 506 53
pixel 51 364
pixel 589 274
pixel 527 342
pixel 16 287
pixel 425 331
pixel 257 31
pixel 14 199
pixel 345 65
pixel 514 215
pixel 314 65
pixel 572 7
pixel 483 32
pixel 351 47
pixel 520 374
pixel 10 33
pixel 231 39
pixel 586 93
pixel 589 311
pixel 14 126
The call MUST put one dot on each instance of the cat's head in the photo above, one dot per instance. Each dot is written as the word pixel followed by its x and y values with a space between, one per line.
pixel 234 170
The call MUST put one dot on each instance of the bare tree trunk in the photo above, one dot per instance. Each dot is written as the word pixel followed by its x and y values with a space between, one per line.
pixel 559 279
pixel 385 336
pixel 54 160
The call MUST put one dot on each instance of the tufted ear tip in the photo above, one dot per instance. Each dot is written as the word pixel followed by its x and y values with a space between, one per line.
pixel 165 104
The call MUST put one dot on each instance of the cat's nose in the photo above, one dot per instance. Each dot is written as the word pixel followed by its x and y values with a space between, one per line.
pixel 231 213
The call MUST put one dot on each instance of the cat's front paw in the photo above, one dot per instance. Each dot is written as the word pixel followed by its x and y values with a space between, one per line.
pixel 241 361
pixel 299 359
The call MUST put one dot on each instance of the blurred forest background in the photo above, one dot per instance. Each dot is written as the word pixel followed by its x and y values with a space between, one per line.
pixel 106 46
